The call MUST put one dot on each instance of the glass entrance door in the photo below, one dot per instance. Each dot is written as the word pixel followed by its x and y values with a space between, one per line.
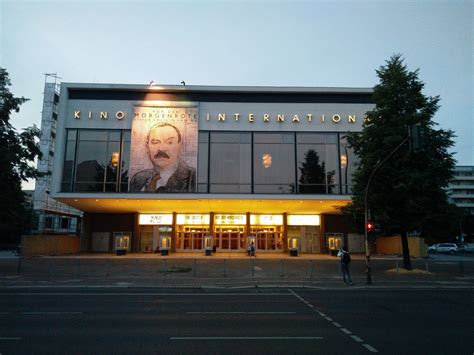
pixel 190 238
pixel 229 238
pixel 269 238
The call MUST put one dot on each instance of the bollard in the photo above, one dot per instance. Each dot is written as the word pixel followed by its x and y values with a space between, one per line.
pixel 225 266
pixel 426 266
pixel 311 269
pixel 281 267
pixel 195 267
pixel 398 269
pixel 19 265
pixel 461 269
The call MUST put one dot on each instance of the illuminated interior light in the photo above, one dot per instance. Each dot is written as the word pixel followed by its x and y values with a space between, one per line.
pixel 115 159
pixel 267 160
pixel 343 161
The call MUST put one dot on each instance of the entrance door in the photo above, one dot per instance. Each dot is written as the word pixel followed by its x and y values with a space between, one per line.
pixel 100 242
pixel 269 238
pixel 191 238
pixel 230 238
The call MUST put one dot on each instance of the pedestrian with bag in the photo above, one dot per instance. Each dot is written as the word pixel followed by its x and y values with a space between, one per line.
pixel 345 261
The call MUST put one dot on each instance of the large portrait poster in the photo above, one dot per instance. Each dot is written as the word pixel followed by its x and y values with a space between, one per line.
pixel 164 147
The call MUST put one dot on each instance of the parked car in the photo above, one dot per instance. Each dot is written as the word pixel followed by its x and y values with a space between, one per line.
pixel 464 248
pixel 448 248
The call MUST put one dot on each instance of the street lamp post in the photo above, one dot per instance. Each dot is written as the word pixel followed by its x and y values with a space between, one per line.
pixel 366 195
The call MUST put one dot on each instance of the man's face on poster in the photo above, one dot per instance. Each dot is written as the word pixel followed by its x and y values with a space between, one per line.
pixel 164 145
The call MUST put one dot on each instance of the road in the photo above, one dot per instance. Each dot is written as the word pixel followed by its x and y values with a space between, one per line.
pixel 266 321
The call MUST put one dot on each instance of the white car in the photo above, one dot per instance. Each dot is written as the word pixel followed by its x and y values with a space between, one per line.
pixel 448 248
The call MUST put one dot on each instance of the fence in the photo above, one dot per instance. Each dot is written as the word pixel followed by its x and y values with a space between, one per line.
pixel 133 269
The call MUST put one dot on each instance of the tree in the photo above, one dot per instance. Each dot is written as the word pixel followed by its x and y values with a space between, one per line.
pixel 408 190
pixel 17 152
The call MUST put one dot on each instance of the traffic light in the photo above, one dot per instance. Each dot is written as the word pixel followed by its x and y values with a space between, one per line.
pixel 370 227
pixel 373 230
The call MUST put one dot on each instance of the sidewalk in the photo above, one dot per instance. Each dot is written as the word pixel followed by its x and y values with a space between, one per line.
pixel 228 270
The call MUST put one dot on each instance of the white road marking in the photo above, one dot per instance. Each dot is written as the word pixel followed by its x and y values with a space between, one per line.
pixel 42 313
pixel 10 338
pixel 371 349
pixel 240 312
pixel 246 338
pixel 356 338
pixel 258 268
pixel 140 294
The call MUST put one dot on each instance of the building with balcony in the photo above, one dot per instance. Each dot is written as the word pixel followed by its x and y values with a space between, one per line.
pixel 461 189
pixel 167 167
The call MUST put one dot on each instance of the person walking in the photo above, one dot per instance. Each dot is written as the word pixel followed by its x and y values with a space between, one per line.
pixel 345 261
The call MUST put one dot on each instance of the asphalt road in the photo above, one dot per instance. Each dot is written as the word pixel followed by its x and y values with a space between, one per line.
pixel 265 321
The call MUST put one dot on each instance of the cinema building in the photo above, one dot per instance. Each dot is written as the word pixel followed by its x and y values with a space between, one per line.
pixel 167 167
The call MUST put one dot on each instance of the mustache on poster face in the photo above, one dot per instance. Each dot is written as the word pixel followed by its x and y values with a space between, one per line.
pixel 161 154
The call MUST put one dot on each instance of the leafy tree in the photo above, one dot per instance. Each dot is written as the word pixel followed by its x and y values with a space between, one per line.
pixel 17 152
pixel 408 191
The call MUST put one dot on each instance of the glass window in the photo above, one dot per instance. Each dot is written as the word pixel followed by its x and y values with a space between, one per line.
pixel 95 161
pixel 230 162
pixel 98 160
pixel 125 161
pixel 90 169
pixel 348 161
pixel 68 167
pixel 64 223
pixel 318 163
pixel 274 163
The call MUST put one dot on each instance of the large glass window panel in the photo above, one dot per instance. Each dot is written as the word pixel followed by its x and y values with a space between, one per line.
pixel 113 155
pixel 89 135
pixel 125 161
pixel 68 167
pixel 318 164
pixel 274 163
pixel 348 161
pixel 332 169
pixel 91 158
pixel 230 162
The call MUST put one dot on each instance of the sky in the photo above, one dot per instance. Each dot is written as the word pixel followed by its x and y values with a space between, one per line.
pixel 258 43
